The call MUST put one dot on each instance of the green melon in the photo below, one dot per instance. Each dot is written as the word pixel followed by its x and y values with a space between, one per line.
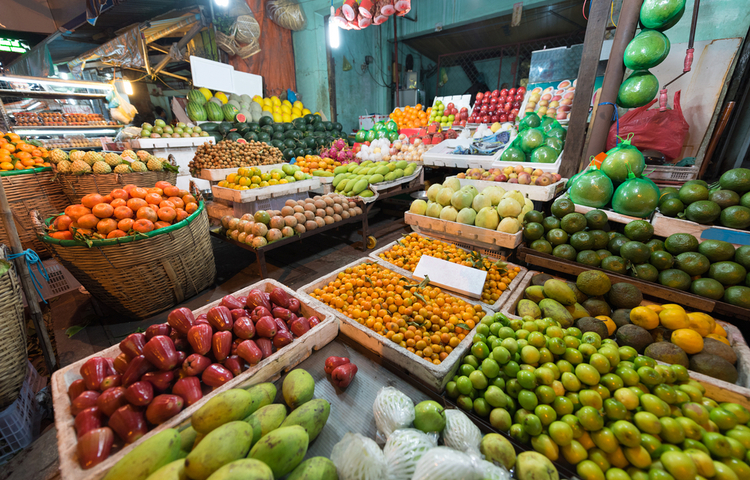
pixel 214 112
pixel 195 110
pixel 638 89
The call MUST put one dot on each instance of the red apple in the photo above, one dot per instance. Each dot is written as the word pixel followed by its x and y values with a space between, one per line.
pixel 512 116
pixel 518 97
pixel 512 92
pixel 521 90
pixel 495 118
pixel 507 107
pixel 450 106
pixel 495 93
pixel 503 118
pixel 493 100
pixel 486 119
pixel 479 96
pixel 504 92
pixel 516 105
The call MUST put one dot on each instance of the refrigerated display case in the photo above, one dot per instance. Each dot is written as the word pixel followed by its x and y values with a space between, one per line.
pixel 67 114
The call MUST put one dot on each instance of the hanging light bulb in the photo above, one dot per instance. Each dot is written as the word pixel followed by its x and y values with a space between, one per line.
pixel 333 30
pixel 222 3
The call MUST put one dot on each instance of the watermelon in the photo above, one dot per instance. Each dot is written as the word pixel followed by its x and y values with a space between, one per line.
pixel 217 137
pixel 195 110
pixel 230 112
pixel 210 127
pixel 265 120
pixel 638 89
pixel 197 97
pixel 337 126
pixel 213 112
pixel 240 118
pixel 233 136
pixel 647 50
pixel 251 136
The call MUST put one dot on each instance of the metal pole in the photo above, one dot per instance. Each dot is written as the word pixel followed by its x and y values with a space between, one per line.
pixel 601 122
pixel 28 287
pixel 395 67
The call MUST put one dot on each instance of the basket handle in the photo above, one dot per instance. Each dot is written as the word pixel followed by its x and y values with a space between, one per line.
pixel 38 222
pixel 195 192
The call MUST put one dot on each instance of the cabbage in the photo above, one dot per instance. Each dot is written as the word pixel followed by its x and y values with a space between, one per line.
pixel 403 450
pixel 392 410
pixel 461 433
pixel 443 463
pixel 358 458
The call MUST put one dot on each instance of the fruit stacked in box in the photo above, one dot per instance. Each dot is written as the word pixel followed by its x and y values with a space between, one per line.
pixel 130 210
pixel 80 163
pixel 250 178
pixel 517 174
pixel 665 332
pixel 407 252
pixel 497 105
pixel 538 140
pixel 217 106
pixel 19 154
pixel 173 365
pixel 713 268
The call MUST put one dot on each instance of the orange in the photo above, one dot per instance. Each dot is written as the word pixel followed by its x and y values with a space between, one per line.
pixel 6 166
pixel 143 225
pixel 91 200
pixel 9 147
pixel 116 234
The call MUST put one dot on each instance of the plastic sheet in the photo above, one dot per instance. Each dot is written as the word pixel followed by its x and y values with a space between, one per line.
pixel 358 458
pixel 122 51
pixel 286 14
pixel 460 433
pixel 392 410
pixel 622 159
pixel 404 449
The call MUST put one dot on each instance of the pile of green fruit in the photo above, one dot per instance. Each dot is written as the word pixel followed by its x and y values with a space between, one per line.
pixel 538 141
pixel 354 178
pixel 604 408
pixel 727 204
pixel 238 434
pixel 712 269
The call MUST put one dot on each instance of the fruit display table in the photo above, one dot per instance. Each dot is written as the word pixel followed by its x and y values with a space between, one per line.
pixel 613 216
pixel 466 234
pixel 533 192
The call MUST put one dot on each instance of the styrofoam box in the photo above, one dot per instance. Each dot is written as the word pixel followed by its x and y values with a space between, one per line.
pixel 441 155
pixel 366 122
pixel 271 191
pixel 533 192
pixel 434 376
pixel 545 167
pixel 219 174
pixel 281 360
pixel 495 307
pixel 473 235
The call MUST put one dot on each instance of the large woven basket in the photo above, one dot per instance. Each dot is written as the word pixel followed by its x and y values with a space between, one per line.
pixel 26 192
pixel 13 360
pixel 75 187
pixel 139 276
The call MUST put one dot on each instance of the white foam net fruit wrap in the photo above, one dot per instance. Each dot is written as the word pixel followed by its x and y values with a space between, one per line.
pixel 358 458
pixel 461 433
pixel 403 450
pixel 443 463
pixel 393 410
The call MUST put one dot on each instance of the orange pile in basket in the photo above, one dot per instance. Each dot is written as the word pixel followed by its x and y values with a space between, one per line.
pixel 411 117
pixel 16 154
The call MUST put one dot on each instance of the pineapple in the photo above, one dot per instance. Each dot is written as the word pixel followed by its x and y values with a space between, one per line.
pixel 142 155
pixel 122 168
pixel 112 159
pixel 101 167
pixel 91 157
pixel 79 167
pixel 138 166
pixel 129 154
pixel 63 166
pixel 57 156
pixel 154 164
pixel 76 155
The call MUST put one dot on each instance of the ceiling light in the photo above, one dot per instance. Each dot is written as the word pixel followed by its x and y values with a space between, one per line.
pixel 222 3
pixel 334 38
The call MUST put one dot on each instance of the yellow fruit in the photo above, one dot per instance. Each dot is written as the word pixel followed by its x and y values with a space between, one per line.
pixel 672 305
pixel 275 100
pixel 688 340
pixel 296 112
pixel 286 108
pixel 278 118
pixel 221 96
pixel 286 117
pixel 287 103
pixel 719 338
pixel 719 330
pixel 611 325
pixel 267 101
pixel 305 111
pixel 206 93
pixel 701 323
pixel 674 319
pixel 267 108
pixel 644 317
pixel 656 308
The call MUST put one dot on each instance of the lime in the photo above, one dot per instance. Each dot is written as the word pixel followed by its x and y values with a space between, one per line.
pixel 562 206
pixel 615 244
pixel 614 264
pixel 541 246
pixel 533 216
pixel 588 257
pixel 716 250
pixel 596 219
pixel 573 222
pixel 724 198
pixel 703 212
pixel 681 242
pixel 645 271
pixel 533 231
pixel 639 230
pixel 635 251
pixel 557 236
pixel 671 207
pixel 693 192
pixel 550 222
pixel 564 251
pixel 661 260
pixel 735 217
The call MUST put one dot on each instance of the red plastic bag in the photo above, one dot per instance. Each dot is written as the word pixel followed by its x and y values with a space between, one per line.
pixel 664 132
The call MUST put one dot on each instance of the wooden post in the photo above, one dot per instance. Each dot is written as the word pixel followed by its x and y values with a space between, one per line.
pixel 602 121
pixel 28 286
pixel 592 49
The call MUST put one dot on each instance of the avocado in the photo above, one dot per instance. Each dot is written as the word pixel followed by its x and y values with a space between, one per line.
pixel 634 336
pixel 668 353
pixel 721 349
pixel 540 279
pixel 621 317
pixel 713 366
pixel 591 324
pixel 597 307
pixel 624 295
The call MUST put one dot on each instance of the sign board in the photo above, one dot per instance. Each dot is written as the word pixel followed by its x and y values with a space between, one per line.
pixel 452 276
pixel 212 75
pixel 247 83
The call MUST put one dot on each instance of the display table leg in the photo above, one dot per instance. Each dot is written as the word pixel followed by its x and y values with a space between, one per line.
pixel 261 256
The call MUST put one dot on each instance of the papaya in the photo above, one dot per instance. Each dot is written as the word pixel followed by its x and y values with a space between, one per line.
pixel 528 308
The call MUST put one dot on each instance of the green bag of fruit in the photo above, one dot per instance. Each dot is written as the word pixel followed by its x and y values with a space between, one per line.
pixel 382 133
pixel 529 139
pixel 391 126
pixel 379 126
pixel 591 188
pixel 637 197
pixel 530 120
pixel 370 135
pixel 549 123
pixel 621 160
pixel 360 136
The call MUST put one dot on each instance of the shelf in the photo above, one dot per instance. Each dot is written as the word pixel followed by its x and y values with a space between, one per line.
pixel 45 88
pixel 72 130
pixel 67 127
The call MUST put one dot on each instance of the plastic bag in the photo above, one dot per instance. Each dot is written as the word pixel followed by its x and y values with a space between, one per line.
pixel 358 458
pixel 443 463
pixel 286 14
pixel 392 410
pixel 591 188
pixel 621 160
pixel 404 449
pixel 529 139
pixel 637 197
pixel 664 132
pixel 461 433
pixel 530 120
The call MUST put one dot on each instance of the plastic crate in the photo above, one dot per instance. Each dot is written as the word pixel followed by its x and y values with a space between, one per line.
pixel 60 280
pixel 671 173
pixel 19 423
pixel 275 203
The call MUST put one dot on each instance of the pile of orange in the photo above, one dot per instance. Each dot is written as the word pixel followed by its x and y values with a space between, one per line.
pixel 16 154
pixel 411 117
pixel 124 211
pixel 311 163
pixel 426 321
pixel 407 252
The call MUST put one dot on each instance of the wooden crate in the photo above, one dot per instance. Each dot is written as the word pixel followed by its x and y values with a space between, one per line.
pixel 271 191
pixel 433 376
pixel 470 234
pixel 665 226
pixel 533 192
pixel 611 215
pixel 282 360
pixel 219 174
pixel 495 307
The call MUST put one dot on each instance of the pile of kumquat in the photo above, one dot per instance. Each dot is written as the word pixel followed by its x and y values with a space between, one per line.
pixel 420 318
pixel 311 163
pixel 407 252
pixel 17 154
pixel 411 117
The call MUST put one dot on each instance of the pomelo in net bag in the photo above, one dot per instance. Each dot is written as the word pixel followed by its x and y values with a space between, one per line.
pixel 622 159
pixel 591 188
pixel 637 197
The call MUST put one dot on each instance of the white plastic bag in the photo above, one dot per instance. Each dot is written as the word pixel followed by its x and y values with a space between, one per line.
pixel 392 410
pixel 461 433
pixel 403 450
pixel 358 458
pixel 443 463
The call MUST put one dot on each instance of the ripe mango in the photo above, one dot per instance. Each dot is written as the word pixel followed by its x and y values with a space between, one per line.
pixel 360 185
pixel 187 439
pixel 148 457
pixel 553 309
pixel 282 450
pixel 223 445
pixel 377 178
pixel 535 293
pixel 577 311
pixel 527 307
pixel 366 194
pixel 337 179
pixel 559 291
pixel 383 170
pixel 340 169
pixel 170 471
pixel 342 185
pixel 269 418
pixel 243 469
pixel 402 164
pixel 315 468
pixel 312 416
pixel 535 466
pixel 398 173
pixel 232 405
pixel 298 388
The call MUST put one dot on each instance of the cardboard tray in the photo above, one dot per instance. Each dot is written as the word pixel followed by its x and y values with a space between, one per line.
pixel 219 174
pixel 284 359
pixel 434 376
pixel 665 226
pixel 271 191
pixel 482 237
pixel 495 307
pixel 533 192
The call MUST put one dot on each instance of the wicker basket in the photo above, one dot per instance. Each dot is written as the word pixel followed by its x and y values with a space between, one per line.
pixel 27 192
pixel 13 360
pixel 138 276
pixel 75 187
pixel 226 43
